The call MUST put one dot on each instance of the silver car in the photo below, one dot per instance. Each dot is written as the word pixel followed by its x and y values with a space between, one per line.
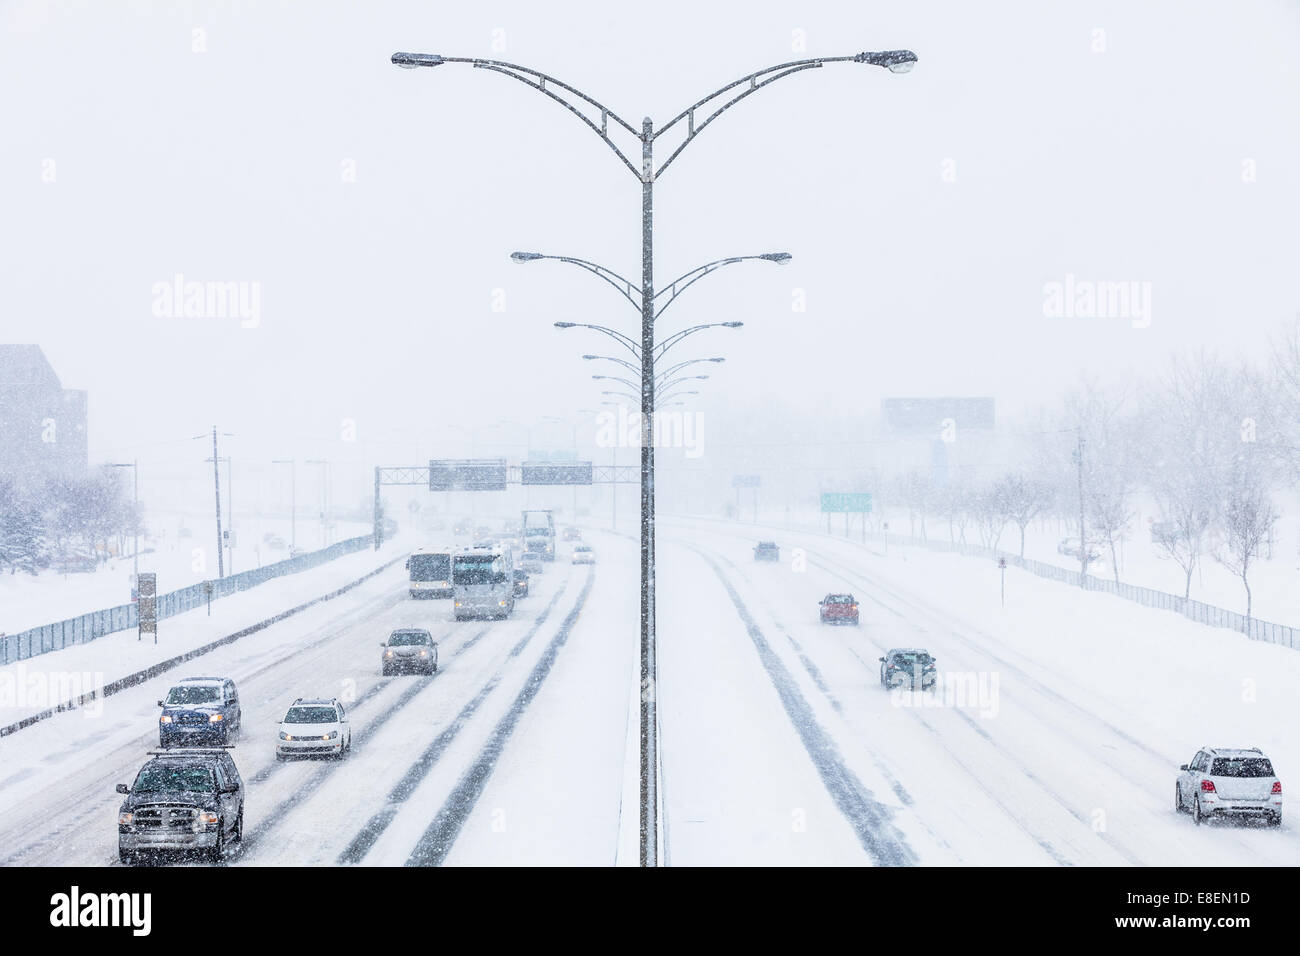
pixel 1229 781
pixel 409 650
pixel 532 562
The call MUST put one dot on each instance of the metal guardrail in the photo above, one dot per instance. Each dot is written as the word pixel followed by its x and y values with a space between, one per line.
pixel 87 627
pixel 1197 611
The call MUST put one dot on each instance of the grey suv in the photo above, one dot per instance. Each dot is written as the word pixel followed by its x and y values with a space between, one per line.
pixel 182 801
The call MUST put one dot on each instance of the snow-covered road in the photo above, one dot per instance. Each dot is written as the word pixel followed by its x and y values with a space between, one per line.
pixel 779 745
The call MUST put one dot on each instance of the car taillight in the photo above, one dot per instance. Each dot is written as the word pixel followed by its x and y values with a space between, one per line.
pixel 1207 786
pixel 1277 786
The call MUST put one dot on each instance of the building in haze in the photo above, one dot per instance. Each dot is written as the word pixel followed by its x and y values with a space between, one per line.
pixel 42 424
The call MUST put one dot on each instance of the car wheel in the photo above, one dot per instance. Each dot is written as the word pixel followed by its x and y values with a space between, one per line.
pixel 1197 817
pixel 124 858
pixel 239 827
pixel 279 757
pixel 218 850
pixel 1178 799
pixel 387 672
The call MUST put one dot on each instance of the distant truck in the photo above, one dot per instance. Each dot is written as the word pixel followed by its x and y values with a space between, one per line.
pixel 483 580
pixel 430 570
pixel 539 533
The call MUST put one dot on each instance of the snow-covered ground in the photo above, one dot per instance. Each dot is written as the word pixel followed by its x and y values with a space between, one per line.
pixel 1053 739
pixel 58 676
pixel 1274 577
pixel 28 600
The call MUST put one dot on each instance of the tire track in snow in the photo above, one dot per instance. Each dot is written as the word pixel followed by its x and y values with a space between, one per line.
pixel 374 828
pixel 438 839
pixel 870 819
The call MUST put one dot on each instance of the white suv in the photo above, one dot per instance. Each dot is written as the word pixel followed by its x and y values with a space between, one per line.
pixel 1223 780
pixel 313 728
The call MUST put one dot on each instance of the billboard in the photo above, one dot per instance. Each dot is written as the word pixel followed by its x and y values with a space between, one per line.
pixel 555 473
pixel 477 474
pixel 933 415
pixel 855 501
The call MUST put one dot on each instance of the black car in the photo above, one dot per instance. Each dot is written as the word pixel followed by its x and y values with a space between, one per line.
pixel 182 801
pixel 767 551
pixel 908 665
pixel 199 710
pixel 521 583
pixel 409 650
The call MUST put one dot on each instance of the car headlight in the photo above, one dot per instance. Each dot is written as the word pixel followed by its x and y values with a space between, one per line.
pixel 207 818
pixel 164 719
pixel 502 603
pixel 458 604
pixel 284 736
pixel 424 653
pixel 124 818
pixel 216 719
pixel 388 653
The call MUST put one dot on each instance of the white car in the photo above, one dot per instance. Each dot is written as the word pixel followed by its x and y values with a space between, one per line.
pixel 584 554
pixel 531 561
pixel 314 728
pixel 1222 781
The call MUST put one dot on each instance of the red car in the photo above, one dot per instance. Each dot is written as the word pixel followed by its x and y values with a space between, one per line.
pixel 839 609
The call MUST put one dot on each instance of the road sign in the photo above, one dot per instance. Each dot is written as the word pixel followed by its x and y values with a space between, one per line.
pixel 746 481
pixel 836 502
pixel 934 415
pixel 479 474
pixel 555 473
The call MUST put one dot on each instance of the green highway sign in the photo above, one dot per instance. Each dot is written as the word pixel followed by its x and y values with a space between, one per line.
pixel 845 502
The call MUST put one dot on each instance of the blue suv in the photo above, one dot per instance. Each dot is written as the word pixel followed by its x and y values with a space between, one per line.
pixel 199 710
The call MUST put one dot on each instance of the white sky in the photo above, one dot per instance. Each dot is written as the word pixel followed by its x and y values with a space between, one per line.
pixel 376 294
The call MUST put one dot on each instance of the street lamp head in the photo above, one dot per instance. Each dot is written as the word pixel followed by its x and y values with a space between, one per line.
pixel 565 325
pixel 780 258
pixel 410 61
pixel 590 357
pixel 526 256
pixel 896 61
pixel 731 325
pixel 715 360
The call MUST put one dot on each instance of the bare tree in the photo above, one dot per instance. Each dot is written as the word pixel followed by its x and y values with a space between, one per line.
pixel 990 513
pixel 1247 517
pixel 1022 499
pixel 1194 427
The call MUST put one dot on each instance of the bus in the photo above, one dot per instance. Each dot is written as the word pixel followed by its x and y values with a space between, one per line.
pixel 539 533
pixel 483 582
pixel 430 570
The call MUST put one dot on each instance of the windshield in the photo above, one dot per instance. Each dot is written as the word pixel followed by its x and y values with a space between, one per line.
pixel 157 778
pixel 477 569
pixel 840 599
pixel 408 638
pixel 430 567
pixel 1241 767
pixel 194 694
pixel 912 659
pixel 538 532
pixel 311 715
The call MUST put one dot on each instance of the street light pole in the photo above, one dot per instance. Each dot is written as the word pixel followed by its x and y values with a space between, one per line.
pixel 293 500
pixel 135 517
pixel 649 823
pixel 711 107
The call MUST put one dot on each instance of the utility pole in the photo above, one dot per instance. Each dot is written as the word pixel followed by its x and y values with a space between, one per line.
pixel 1083 537
pixel 216 492
pixel 293 501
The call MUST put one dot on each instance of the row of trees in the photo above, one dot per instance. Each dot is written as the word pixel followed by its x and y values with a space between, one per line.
pixel 44 522
pixel 1213 444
